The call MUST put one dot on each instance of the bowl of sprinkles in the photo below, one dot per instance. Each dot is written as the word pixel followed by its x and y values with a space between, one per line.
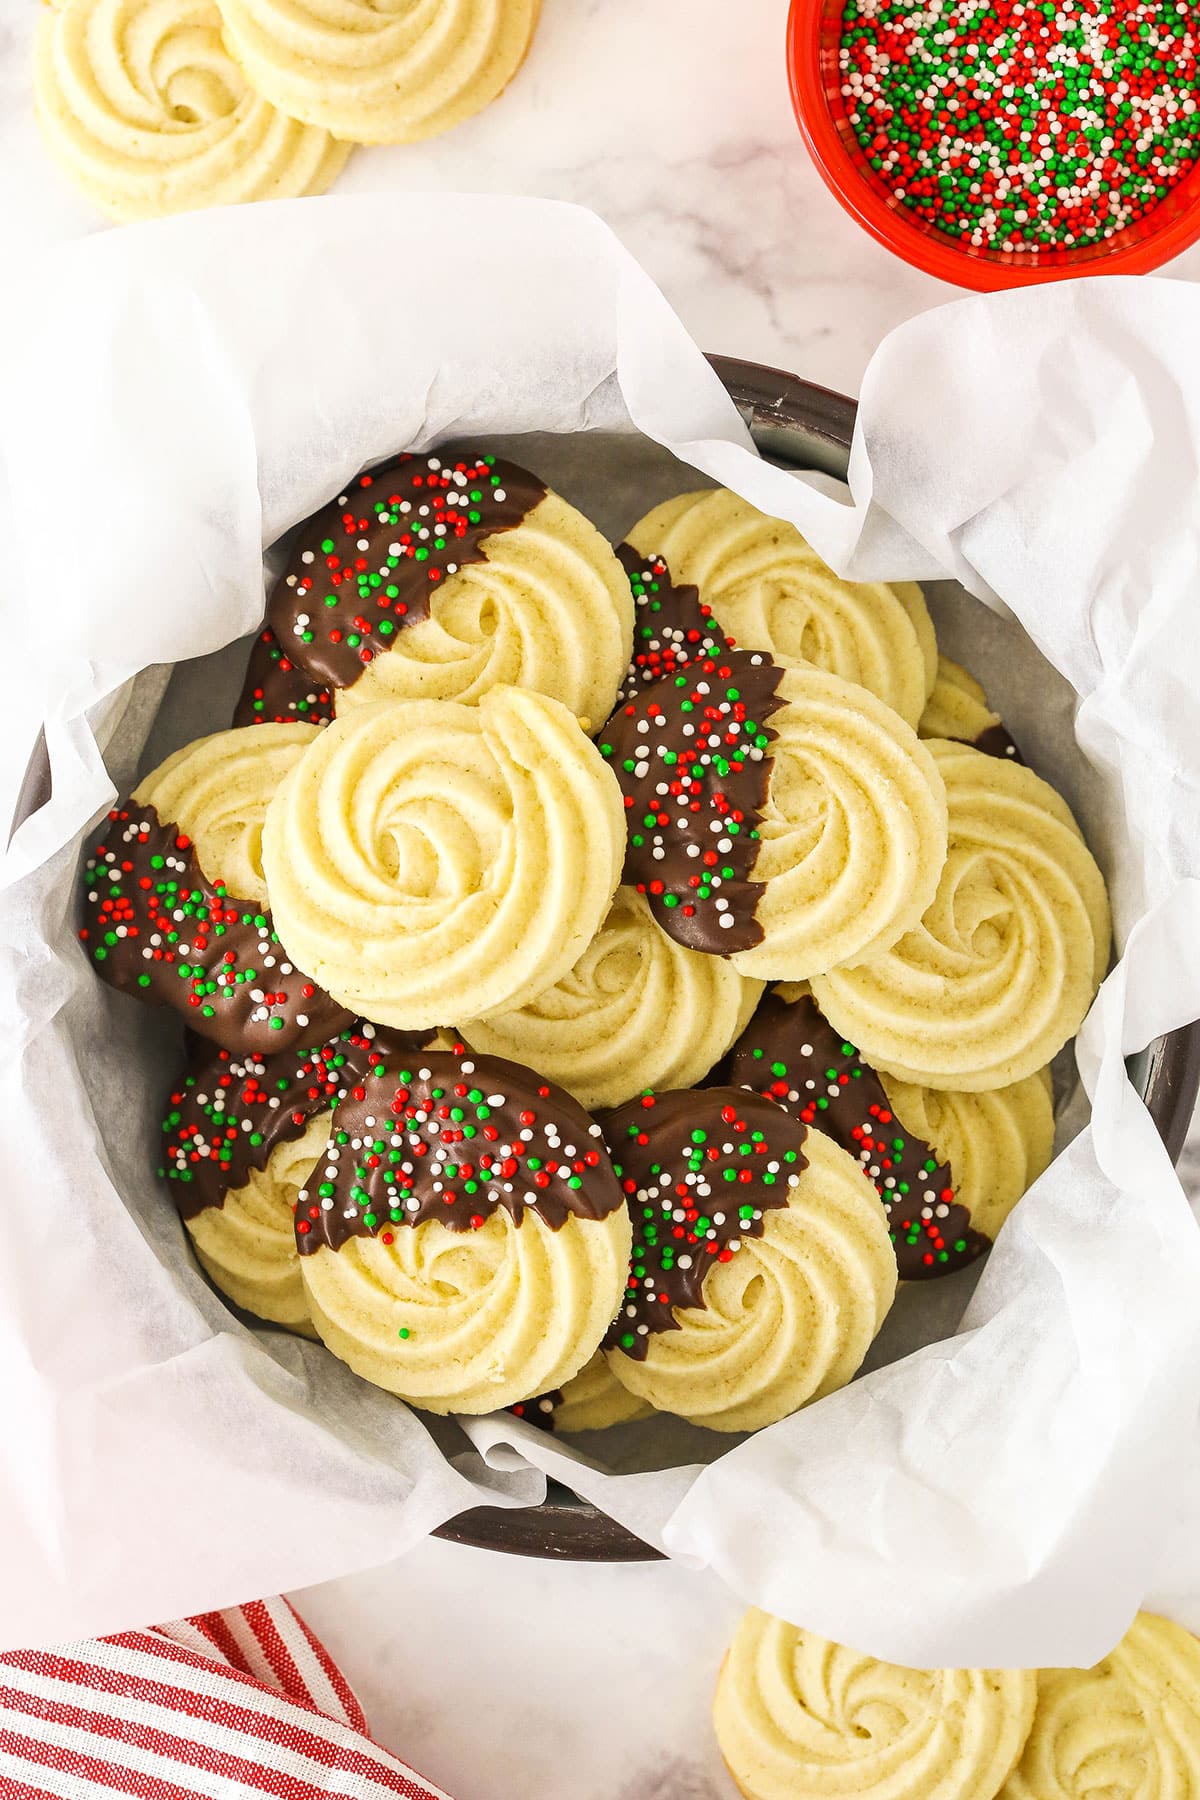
pixel 995 143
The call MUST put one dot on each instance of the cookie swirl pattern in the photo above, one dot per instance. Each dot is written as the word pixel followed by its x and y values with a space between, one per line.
pixel 430 859
pixel 161 921
pixel 544 609
pixel 996 1143
pixel 469 1324
pixel 799 1717
pixel 1128 1729
pixel 381 74
pixel 463 1242
pixel 783 817
pixel 217 790
pixel 853 834
pixel 248 1244
pixel 1004 964
pixel 790 1053
pixel 240 1138
pixel 144 108
pixel 783 1273
pixel 439 577
pixel 769 590
pixel 637 1011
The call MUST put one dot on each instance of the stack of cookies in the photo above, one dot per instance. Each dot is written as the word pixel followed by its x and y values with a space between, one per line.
pixel 607 972
pixel 160 106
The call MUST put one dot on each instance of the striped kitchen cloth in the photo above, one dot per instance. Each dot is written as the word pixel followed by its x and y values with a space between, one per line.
pixel 245 1702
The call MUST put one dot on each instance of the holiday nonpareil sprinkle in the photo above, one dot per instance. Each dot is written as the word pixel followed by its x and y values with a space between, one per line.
pixel 1024 125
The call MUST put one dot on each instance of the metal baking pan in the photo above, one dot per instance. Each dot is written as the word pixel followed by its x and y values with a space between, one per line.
pixel 805 427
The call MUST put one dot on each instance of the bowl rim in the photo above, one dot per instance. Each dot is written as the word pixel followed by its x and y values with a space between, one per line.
pixel 812 427
pixel 934 253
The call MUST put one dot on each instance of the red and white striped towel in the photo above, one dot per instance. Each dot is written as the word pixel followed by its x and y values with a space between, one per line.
pixel 245 1702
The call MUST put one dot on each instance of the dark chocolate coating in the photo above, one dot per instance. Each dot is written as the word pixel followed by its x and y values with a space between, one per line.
pixel 156 927
pixel 699 1167
pixel 438 1136
pixel 539 1411
pixel 790 1053
pixel 996 740
pixel 276 692
pixel 704 733
pixel 672 627
pixel 229 1113
pixel 368 563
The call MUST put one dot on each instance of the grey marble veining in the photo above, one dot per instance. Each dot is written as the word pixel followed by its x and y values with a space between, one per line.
pixel 671 118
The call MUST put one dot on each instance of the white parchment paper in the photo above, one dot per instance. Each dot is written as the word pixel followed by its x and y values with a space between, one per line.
pixel 173 398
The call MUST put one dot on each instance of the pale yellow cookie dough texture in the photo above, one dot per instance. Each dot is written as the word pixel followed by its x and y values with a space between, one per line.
pixel 957 707
pixel 1127 1729
pixel 380 71
pixel 248 1243
pixel 996 1143
pixel 799 1717
pixel 489 1316
pixel 789 1317
pixel 769 590
pixel 548 608
pixel 1007 958
pixel 637 1011
pixel 217 790
pixel 428 860
pixel 594 1400
pixel 142 106
pixel 853 831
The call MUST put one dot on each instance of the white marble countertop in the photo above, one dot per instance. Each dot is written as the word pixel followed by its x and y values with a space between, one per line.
pixel 496 1676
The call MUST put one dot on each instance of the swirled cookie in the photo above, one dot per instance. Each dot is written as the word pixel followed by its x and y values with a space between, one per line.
pixel 439 578
pixel 783 817
pixel 996 1143
pixel 464 1243
pixel 248 1245
pixel 949 1168
pixel 1128 1729
pixel 431 859
pixel 761 1264
pixel 143 107
pixel 637 1011
pixel 791 1055
pixel 591 1401
pixel 769 590
pixel 217 790
pixel 801 1718
pixel 381 74
pixel 174 901
pixel 241 1137
pixel 1006 960
pixel 957 708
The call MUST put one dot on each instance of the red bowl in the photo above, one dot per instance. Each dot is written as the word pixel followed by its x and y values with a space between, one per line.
pixel 814 33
